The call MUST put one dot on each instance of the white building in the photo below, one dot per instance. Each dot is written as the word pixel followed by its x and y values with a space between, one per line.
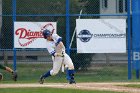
pixel 113 7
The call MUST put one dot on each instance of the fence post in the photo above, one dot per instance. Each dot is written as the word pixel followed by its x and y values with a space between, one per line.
pixel 129 39
pixel 135 33
pixel 67 28
pixel 14 19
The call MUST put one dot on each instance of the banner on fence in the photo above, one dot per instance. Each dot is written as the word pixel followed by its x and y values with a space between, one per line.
pixel 29 34
pixel 101 35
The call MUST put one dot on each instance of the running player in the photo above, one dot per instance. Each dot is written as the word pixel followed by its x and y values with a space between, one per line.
pixel 56 48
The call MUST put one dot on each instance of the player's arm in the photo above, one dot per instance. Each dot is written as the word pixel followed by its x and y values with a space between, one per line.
pixel 58 41
pixel 53 52
pixel 6 68
pixel 59 44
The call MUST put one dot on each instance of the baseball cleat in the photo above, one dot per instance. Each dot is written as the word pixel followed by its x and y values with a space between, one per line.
pixel 72 82
pixel 41 80
pixel 14 76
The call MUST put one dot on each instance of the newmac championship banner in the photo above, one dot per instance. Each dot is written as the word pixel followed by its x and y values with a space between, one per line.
pixel 101 35
pixel 29 34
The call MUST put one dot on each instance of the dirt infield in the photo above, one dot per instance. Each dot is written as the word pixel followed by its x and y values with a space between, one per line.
pixel 83 86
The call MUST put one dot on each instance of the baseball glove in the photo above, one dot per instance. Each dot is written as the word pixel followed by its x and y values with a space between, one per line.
pixel 14 76
pixel 1 77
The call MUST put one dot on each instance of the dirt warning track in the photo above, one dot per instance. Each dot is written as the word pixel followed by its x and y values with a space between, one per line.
pixel 84 86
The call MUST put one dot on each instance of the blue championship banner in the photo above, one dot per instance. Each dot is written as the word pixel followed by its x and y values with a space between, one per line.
pixel 101 35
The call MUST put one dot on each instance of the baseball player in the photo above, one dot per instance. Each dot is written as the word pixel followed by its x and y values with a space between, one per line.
pixel 56 48
pixel 14 74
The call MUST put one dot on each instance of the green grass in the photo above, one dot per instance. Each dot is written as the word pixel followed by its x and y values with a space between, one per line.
pixel 49 90
pixel 30 73
pixel 131 85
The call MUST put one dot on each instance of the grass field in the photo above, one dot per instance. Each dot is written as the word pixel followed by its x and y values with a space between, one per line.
pixel 30 73
pixel 49 90
pixel 132 85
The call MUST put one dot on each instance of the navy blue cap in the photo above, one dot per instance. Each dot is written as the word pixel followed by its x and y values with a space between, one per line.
pixel 46 33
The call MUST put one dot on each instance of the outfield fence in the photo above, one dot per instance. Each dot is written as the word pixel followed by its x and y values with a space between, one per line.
pixel 89 67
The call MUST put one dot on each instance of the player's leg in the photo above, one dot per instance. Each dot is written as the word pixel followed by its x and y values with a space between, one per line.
pixel 56 67
pixel 70 69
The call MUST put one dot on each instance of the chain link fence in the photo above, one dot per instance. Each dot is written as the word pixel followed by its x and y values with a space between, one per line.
pixel 31 63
